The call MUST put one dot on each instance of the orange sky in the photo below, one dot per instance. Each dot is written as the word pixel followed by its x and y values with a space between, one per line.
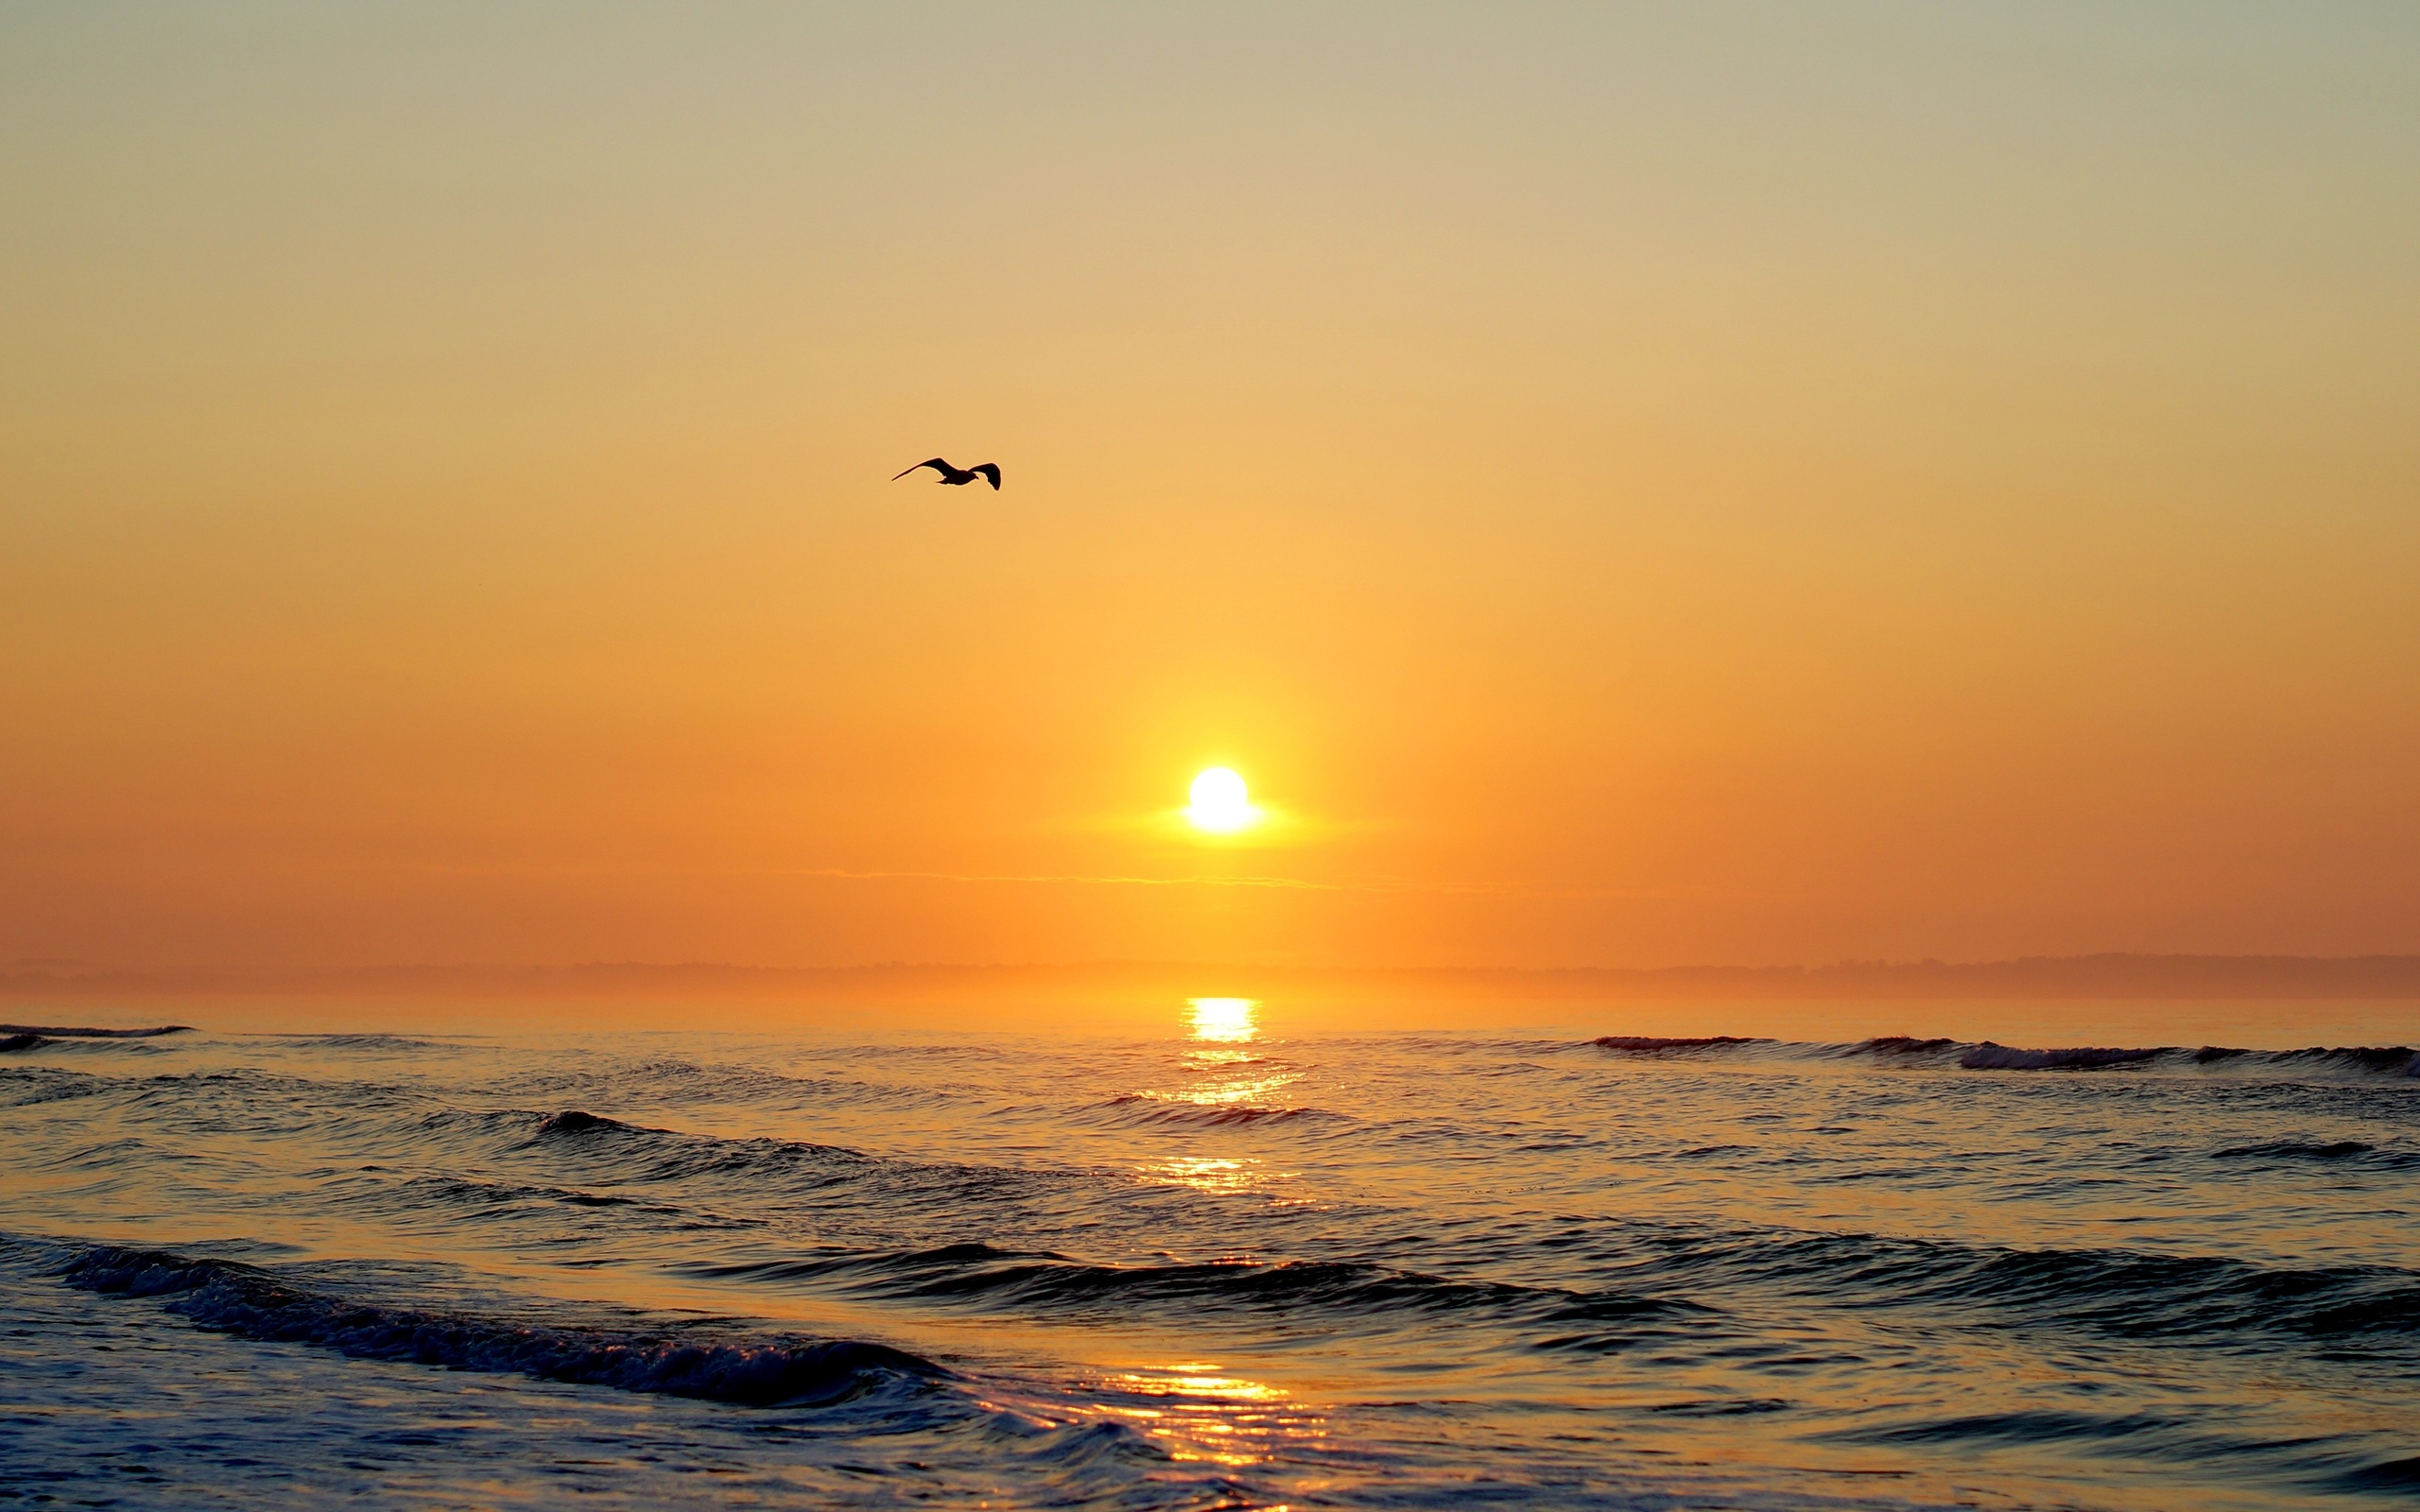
pixel 1689 484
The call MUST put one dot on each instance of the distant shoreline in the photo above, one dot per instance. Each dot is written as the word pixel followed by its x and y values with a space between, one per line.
pixel 2114 977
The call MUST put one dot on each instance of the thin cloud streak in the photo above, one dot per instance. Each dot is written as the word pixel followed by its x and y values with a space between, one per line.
pixel 1474 889
pixel 1496 889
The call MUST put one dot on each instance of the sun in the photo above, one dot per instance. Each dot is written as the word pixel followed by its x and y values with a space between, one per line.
pixel 1221 805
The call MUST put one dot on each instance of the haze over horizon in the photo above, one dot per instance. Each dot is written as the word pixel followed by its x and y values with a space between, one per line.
pixel 1680 485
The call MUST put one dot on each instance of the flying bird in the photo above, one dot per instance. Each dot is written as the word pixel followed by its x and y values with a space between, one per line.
pixel 958 476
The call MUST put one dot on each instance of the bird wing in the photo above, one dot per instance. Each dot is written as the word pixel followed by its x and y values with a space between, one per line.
pixel 935 461
pixel 991 471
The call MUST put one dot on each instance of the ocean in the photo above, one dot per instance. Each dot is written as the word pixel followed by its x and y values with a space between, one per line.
pixel 1218 1266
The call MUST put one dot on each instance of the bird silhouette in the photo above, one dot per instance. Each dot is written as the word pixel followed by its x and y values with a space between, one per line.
pixel 958 476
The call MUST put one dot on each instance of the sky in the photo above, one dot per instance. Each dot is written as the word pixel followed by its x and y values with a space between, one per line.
pixel 1625 485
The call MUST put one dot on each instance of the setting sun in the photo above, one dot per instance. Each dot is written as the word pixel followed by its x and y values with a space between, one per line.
pixel 1220 802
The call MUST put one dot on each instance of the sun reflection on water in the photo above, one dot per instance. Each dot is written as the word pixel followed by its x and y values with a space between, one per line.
pixel 1225 1021
pixel 1201 1414
pixel 1205 1172
pixel 1224 1072
pixel 1232 1083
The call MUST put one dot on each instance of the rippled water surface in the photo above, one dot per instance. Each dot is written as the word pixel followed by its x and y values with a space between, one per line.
pixel 1221 1268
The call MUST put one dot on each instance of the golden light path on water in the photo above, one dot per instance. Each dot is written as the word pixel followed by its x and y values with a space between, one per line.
pixel 1197 1410
pixel 1199 1413
pixel 1221 1072
pixel 1193 1406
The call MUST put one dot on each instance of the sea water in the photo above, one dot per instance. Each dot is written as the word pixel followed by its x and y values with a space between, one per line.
pixel 1220 1267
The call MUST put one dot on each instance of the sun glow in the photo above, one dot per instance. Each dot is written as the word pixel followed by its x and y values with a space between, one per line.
pixel 1221 805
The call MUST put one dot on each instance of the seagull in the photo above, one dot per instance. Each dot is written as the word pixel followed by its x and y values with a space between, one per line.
pixel 959 476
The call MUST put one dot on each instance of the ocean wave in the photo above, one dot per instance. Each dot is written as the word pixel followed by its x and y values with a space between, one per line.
pixel 1053 1281
pixel 58 1032
pixel 2118 1292
pixel 2325 1462
pixel 2359 1061
pixel 574 1124
pixel 1721 1407
pixel 2292 1149
pixel 2394 1060
pixel 23 1086
pixel 397 1043
pixel 1641 1044
pixel 2383 1475
pixel 1900 1044
pixel 230 1297
pixel 682 1082
pixel 1135 1107
pixel 1990 1056
pixel 353 1121
pixel 669 1155
pixel 56 1048
pixel 424 1193
pixel 2341 1154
